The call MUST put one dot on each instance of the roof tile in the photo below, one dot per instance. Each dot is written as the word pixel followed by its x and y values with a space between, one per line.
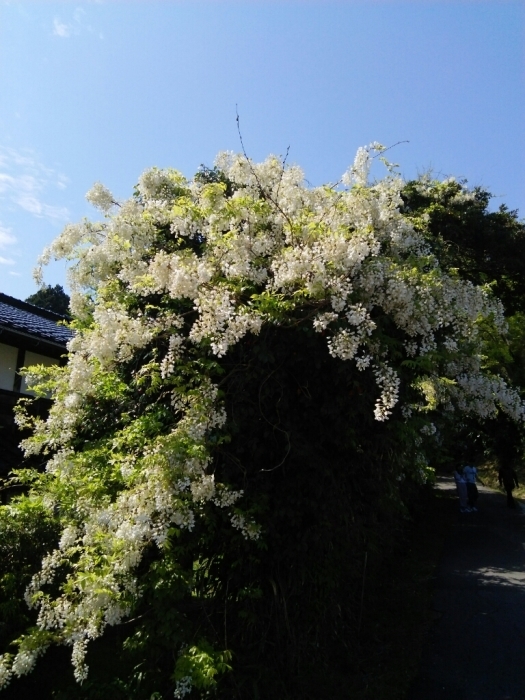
pixel 21 316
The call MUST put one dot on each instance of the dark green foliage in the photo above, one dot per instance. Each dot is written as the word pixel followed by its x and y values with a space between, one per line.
pixel 487 248
pixel 51 298
pixel 22 547
pixel 304 438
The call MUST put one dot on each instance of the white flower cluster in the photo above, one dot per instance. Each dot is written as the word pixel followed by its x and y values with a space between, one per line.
pixel 78 658
pixel 389 382
pixel 346 249
pixel 225 498
pixel 25 661
pixel 167 366
pixel 359 171
pixel 115 337
pixel 220 322
pixel 183 687
pixel 481 395
pixel 5 671
pixel 100 197
pixel 248 528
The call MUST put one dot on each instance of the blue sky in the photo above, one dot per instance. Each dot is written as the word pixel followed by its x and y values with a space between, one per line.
pixel 102 90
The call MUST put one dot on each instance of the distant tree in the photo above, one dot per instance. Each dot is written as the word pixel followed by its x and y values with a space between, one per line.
pixel 485 247
pixel 51 298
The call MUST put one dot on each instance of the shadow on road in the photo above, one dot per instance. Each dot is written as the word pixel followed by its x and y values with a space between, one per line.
pixel 476 648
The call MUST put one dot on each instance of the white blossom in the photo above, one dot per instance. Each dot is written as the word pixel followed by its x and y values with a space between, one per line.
pixel 5 672
pixel 183 687
pixel 100 197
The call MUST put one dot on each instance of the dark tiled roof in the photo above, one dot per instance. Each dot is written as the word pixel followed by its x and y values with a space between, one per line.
pixel 25 318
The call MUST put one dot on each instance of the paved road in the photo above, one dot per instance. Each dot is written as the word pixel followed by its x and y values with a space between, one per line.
pixel 476 648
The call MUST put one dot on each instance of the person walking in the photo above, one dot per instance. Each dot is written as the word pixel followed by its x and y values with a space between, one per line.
pixel 461 486
pixel 508 478
pixel 470 473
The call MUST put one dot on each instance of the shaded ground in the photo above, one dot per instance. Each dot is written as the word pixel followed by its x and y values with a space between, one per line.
pixel 476 648
pixel 397 603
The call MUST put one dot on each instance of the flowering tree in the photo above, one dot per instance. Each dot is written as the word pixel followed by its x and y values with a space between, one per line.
pixel 207 312
pixel 485 247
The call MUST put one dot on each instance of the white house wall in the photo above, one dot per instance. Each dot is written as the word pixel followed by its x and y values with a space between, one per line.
pixel 8 357
pixel 31 359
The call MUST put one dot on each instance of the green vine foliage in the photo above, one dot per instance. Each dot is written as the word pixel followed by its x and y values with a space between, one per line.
pixel 258 388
